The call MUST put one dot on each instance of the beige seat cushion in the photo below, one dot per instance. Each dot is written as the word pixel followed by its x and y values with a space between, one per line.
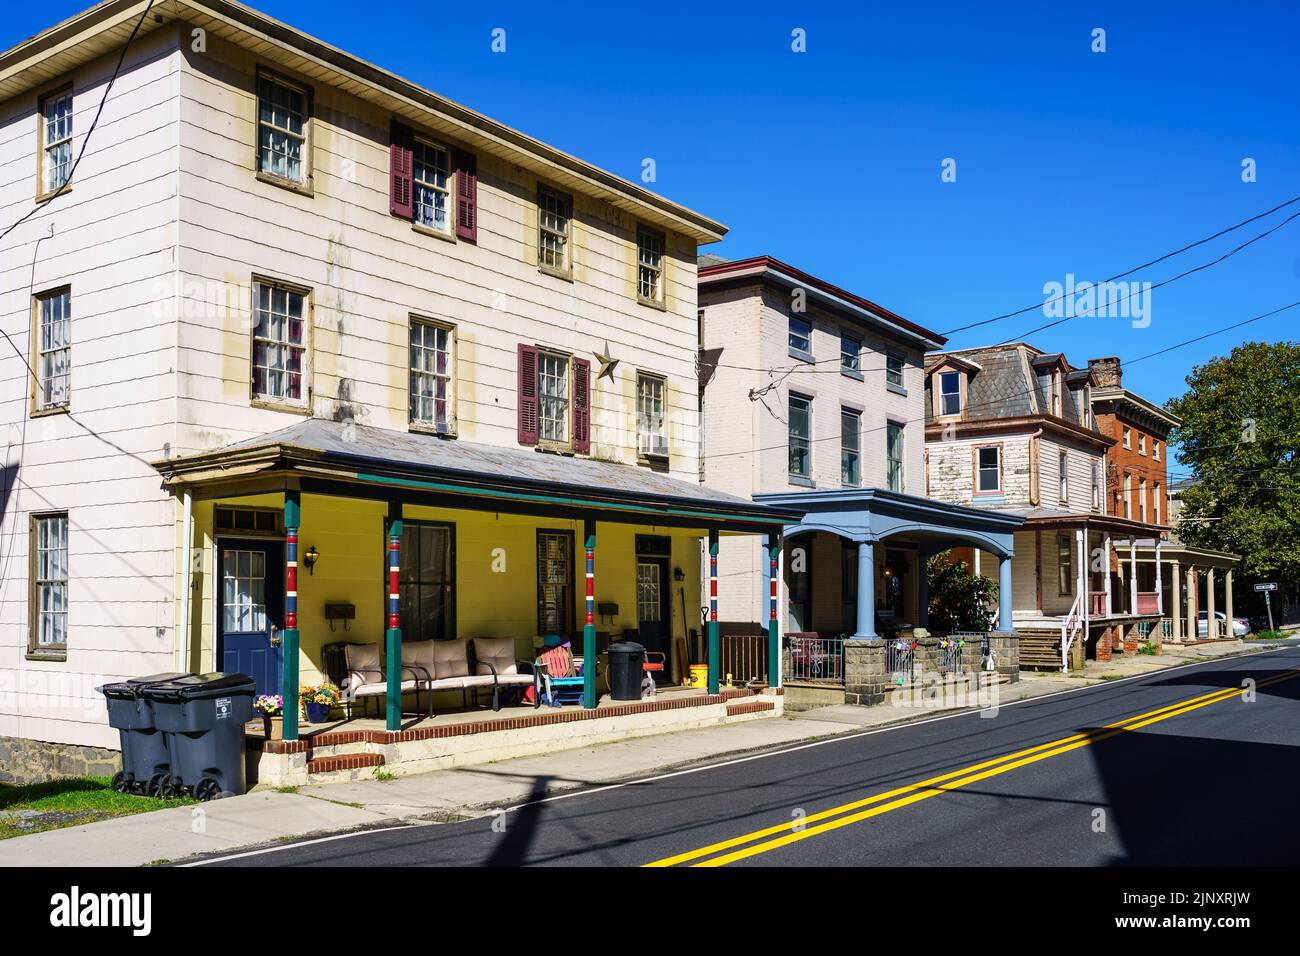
pixel 378 688
pixel 364 665
pixel 418 655
pixel 451 659
pixel 445 683
pixel 497 651
pixel 478 680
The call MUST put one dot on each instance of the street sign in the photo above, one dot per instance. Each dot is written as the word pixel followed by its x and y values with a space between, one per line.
pixel 1269 586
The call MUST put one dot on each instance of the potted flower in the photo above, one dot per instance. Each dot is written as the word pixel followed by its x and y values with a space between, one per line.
pixel 271 708
pixel 318 699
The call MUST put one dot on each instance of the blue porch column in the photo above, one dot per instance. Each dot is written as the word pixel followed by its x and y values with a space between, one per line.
pixel 1004 593
pixel 589 695
pixel 289 666
pixel 866 592
pixel 715 644
pixel 772 547
pixel 393 636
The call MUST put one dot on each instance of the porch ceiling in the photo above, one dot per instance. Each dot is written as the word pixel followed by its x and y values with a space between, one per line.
pixel 875 514
pixel 366 462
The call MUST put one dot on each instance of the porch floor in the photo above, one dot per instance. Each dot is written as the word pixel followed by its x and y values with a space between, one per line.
pixel 460 717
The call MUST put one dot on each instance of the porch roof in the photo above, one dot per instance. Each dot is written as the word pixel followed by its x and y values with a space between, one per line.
pixel 874 514
pixel 322 456
pixel 1041 518
pixel 1175 550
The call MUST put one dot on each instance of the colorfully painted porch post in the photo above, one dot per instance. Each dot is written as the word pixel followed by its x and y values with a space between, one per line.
pixel 866 592
pixel 393 636
pixel 715 645
pixel 589 695
pixel 289 639
pixel 773 624
pixel 1004 593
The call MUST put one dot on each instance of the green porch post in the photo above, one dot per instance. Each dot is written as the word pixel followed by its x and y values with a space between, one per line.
pixel 289 640
pixel 589 628
pixel 773 613
pixel 715 647
pixel 393 636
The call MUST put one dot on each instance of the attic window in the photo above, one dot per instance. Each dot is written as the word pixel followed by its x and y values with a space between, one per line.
pixel 949 393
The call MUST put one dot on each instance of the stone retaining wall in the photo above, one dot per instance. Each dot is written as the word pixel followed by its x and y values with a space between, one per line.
pixel 25 761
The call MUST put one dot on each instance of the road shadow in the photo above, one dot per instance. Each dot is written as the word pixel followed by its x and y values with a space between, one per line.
pixel 521 828
pixel 1232 804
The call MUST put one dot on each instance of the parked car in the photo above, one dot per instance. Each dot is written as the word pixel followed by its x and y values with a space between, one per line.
pixel 1240 626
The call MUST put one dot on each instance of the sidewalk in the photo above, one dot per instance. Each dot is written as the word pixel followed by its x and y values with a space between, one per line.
pixel 269 816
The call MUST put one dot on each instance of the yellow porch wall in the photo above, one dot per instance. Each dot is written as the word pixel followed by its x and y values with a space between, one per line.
pixel 496 574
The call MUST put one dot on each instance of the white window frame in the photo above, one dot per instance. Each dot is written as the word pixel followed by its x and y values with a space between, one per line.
pixel 1128 496
pixel 1155 502
pixel 1063 462
pixel 53 343
pixel 423 377
pixel 1155 449
pixel 850 359
pixel 267 396
pixel 554 238
pixel 956 377
pixel 855 452
pixel 1142 444
pixel 895 376
pixel 791 335
pixel 48 615
pixel 1142 500
pixel 1128 439
pixel 1096 486
pixel 981 468
pixel 284 131
pixel 651 246
pixel 60 145
pixel 651 434
pixel 561 372
pixel 428 186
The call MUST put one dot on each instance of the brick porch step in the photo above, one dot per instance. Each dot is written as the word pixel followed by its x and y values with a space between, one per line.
pixel 344 762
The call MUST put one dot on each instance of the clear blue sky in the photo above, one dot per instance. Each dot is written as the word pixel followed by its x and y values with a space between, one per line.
pixel 1067 160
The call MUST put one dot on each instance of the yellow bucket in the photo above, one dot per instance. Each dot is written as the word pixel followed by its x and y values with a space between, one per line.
pixel 700 675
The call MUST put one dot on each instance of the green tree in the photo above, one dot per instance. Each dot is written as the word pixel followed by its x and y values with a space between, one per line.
pixel 959 599
pixel 1239 438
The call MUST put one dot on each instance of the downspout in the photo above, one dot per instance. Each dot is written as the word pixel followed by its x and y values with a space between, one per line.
pixel 187 578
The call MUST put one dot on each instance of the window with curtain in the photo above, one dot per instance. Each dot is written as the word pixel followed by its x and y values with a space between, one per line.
pixel 555 583
pixel 426 581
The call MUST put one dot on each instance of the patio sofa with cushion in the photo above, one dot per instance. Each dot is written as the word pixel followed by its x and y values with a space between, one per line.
pixel 430 666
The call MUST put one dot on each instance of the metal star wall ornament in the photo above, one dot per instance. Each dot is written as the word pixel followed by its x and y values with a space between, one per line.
pixel 607 364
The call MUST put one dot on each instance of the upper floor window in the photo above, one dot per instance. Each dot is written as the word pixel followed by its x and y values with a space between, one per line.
pixel 800 436
pixel 894 369
pixel 281 129
pixel 651 439
pixel 1096 487
pixel 949 393
pixel 1128 496
pixel 1155 449
pixel 1064 465
pixel 1085 407
pixel 1142 444
pixel 553 395
pixel 850 430
pixel 988 468
pixel 431 181
pixel 279 343
pixel 49 595
pixel 1128 438
pixel 801 336
pixel 1056 394
pixel 1155 502
pixel 54 349
pixel 894 456
pixel 432 366
pixel 554 213
pixel 56 141
pixel 850 353
pixel 1142 499
pixel 650 265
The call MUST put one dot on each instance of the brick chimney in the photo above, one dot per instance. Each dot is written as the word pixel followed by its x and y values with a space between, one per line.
pixel 1107 371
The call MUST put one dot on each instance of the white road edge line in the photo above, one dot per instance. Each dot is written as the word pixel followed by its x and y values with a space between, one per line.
pixel 837 738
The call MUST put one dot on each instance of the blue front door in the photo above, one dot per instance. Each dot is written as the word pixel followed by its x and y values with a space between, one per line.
pixel 251 610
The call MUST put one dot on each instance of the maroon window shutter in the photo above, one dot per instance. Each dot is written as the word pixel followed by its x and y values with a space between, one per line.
pixel 581 405
pixel 527 395
pixel 401 161
pixel 466 195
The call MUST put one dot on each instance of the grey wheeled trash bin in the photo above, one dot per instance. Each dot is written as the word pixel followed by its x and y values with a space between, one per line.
pixel 145 764
pixel 203 719
pixel 625 660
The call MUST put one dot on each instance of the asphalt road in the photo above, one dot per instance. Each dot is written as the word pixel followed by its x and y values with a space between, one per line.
pixel 1199 773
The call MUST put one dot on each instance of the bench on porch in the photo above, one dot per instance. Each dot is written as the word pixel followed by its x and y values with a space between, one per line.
pixel 429 667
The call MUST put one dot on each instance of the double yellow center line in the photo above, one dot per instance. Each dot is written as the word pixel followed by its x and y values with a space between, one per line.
pixel 774 837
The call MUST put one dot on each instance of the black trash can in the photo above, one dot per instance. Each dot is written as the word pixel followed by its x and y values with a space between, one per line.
pixel 625 660
pixel 203 717
pixel 145 764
